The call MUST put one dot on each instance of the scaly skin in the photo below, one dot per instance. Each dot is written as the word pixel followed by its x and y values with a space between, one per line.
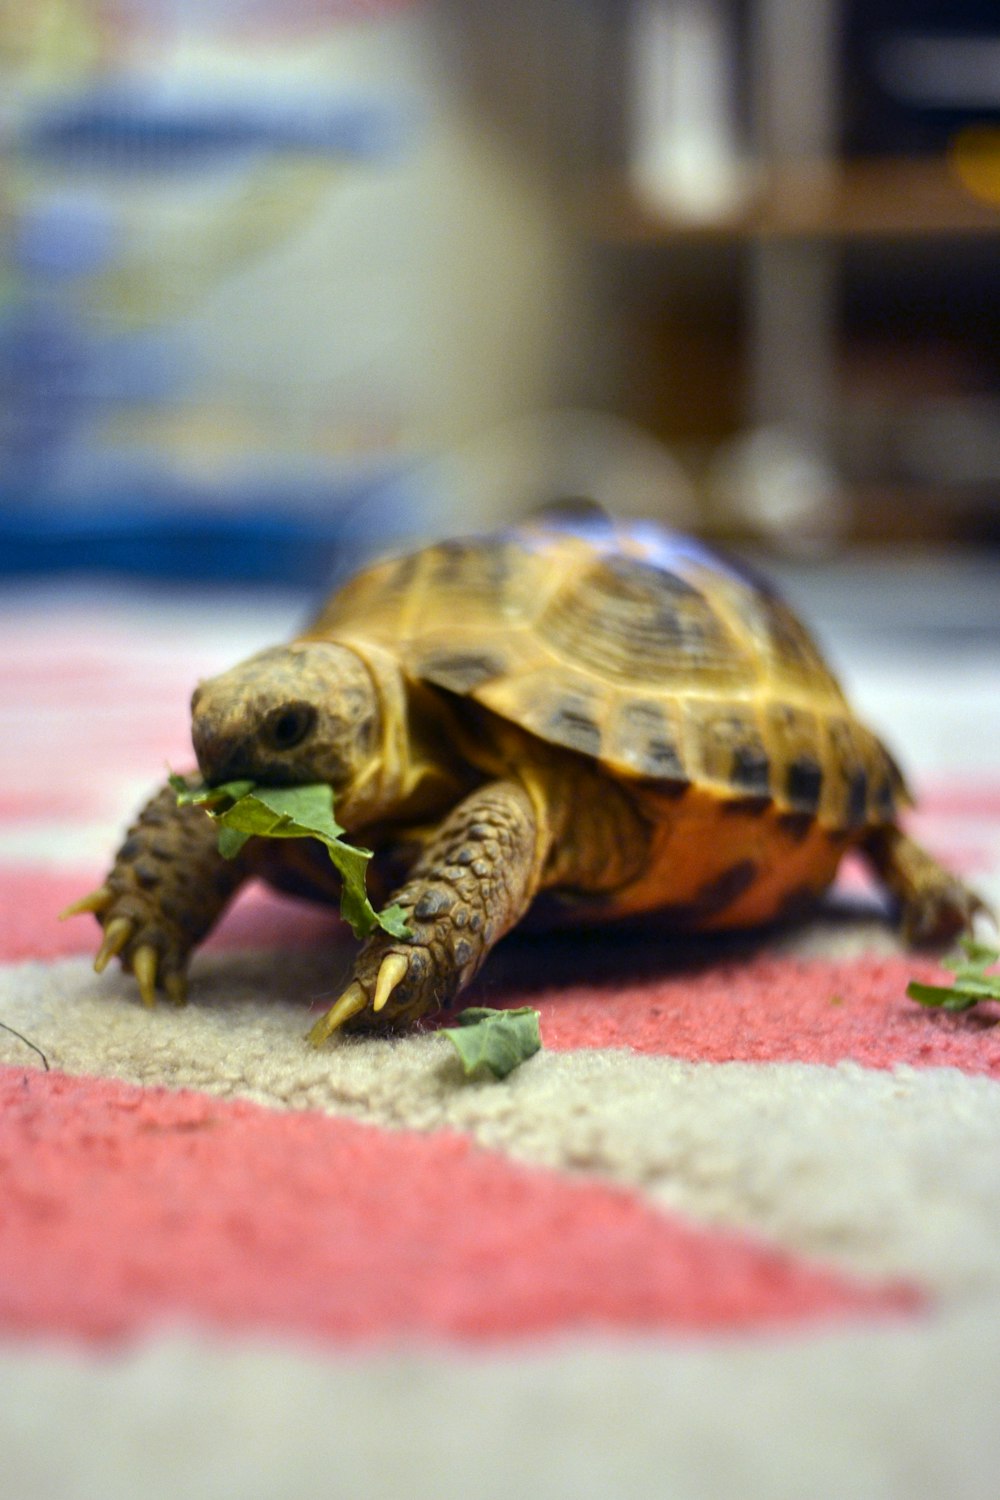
pixel 934 905
pixel 166 890
pixel 474 880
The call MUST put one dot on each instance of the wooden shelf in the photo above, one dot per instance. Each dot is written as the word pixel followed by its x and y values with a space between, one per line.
pixel 905 197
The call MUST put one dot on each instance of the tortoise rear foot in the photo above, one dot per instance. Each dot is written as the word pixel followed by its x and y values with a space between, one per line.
pixel 934 905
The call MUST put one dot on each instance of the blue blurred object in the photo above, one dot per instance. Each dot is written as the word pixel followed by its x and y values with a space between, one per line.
pixel 264 538
pixel 125 130
pixel 916 71
pixel 157 202
pixel 64 235
pixel 42 359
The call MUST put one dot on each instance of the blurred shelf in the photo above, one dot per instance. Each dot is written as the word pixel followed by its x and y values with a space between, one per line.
pixel 897 197
pixel 887 518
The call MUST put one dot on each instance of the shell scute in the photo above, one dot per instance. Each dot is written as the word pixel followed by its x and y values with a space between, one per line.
pixel 460 671
pixel 646 737
pixel 472 565
pixel 626 619
pixel 793 655
pixel 725 743
pixel 637 650
pixel 573 722
pixel 861 782
pixel 796 741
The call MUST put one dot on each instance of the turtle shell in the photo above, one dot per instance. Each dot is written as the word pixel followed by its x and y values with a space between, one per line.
pixel 639 648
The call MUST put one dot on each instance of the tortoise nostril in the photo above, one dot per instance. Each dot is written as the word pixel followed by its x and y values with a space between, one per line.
pixel 290 727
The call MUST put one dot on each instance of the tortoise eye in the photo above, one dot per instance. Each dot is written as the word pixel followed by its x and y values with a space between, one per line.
pixel 290 726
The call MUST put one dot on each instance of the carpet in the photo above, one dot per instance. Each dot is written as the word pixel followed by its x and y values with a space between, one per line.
pixel 733 1230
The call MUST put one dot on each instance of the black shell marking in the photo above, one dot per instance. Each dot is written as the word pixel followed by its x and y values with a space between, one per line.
pixel 460 671
pixel 714 896
pixel 647 741
pixel 751 771
pixel 573 725
pixel 804 784
pixel 857 797
pixel 796 825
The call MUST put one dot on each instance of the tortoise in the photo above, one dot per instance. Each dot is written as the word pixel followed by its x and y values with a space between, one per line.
pixel 606 718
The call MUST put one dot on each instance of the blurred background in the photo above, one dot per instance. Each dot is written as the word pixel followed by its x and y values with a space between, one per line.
pixel 284 283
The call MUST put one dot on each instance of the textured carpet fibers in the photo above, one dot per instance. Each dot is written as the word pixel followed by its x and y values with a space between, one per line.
pixel 735 1226
pixel 180 1206
pixel 773 1010
pixel 637 993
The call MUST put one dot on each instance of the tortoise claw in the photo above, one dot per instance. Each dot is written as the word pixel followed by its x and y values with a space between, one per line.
pixel 144 962
pixel 392 970
pixel 123 937
pixel 350 1003
pixel 95 901
pixel 176 987
pixel 116 935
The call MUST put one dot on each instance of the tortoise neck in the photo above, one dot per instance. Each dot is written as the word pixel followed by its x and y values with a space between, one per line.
pixel 412 773
pixel 380 784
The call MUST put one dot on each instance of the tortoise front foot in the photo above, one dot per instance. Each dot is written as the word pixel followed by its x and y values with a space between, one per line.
pixel 934 905
pixel 474 880
pixel 166 889
pixel 404 976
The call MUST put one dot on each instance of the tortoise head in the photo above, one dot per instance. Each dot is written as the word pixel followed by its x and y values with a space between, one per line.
pixel 310 711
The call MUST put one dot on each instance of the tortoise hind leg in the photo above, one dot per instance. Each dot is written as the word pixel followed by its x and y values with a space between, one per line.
pixel 934 905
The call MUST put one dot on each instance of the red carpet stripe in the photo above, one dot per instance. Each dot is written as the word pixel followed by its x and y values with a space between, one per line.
pixel 30 900
pixel 765 1009
pixel 125 1208
pixel 778 1010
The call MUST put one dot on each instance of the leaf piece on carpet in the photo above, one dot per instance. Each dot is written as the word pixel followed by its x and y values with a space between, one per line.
pixel 972 983
pixel 492 1043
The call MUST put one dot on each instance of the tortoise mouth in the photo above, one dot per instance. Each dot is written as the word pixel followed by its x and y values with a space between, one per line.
pixel 218 755
pixel 224 757
pixel 241 764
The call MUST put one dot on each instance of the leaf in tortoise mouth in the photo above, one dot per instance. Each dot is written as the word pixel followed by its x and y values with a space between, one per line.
pixel 244 809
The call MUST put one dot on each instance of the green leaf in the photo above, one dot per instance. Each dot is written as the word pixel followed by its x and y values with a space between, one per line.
pixel 494 1042
pixel 244 810
pixel 393 919
pixel 983 986
pixel 972 956
pixel 972 983
pixel 231 841
pixel 307 807
pixel 939 997
pixel 200 795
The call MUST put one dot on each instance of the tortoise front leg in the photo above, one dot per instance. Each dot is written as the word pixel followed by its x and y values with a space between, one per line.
pixel 475 879
pixel 167 888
